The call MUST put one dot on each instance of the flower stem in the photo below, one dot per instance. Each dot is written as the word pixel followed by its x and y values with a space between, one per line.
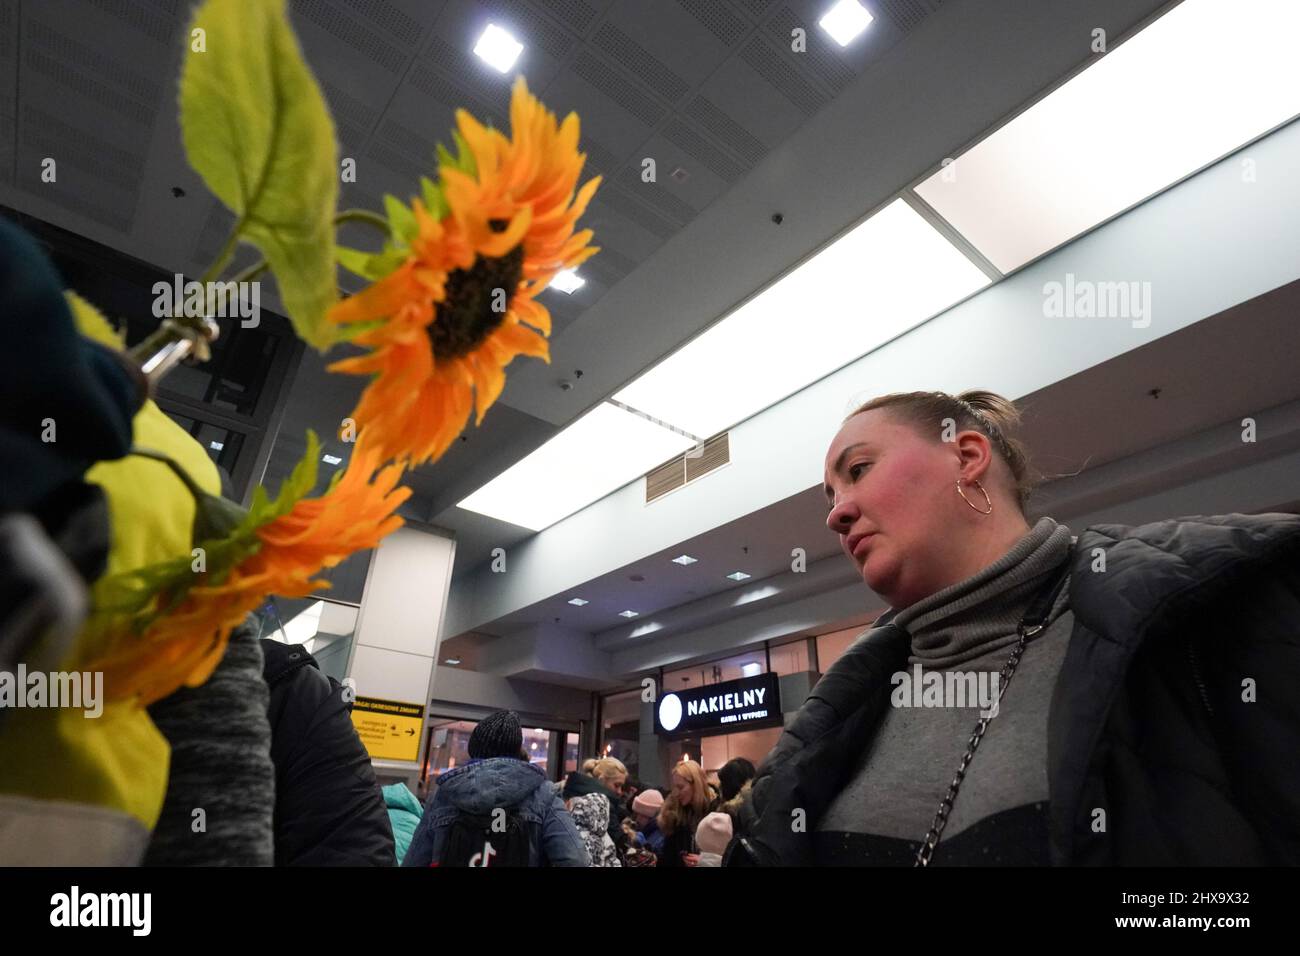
pixel 363 215
pixel 224 256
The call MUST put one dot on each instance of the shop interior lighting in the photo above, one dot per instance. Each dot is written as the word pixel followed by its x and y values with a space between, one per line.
pixel 845 21
pixel 887 275
pixel 600 452
pixel 684 559
pixel 498 48
pixel 567 281
pixel 1198 83
pixel 578 602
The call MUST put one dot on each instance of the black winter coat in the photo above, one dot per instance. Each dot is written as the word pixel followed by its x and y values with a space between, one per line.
pixel 578 783
pixel 329 810
pixel 1147 721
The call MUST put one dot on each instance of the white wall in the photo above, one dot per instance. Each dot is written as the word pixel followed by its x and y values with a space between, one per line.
pixel 1205 245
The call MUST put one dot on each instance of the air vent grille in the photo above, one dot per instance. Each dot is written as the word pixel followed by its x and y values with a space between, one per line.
pixel 743 143
pixel 636 58
pixel 719 20
pixel 715 453
pixel 697 146
pixel 346 30
pixel 664 479
pixel 621 91
pixel 687 467
pixel 908 14
pixel 772 67
pixel 819 56
pixel 633 211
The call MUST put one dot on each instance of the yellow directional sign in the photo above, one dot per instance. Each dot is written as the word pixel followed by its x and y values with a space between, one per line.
pixel 390 729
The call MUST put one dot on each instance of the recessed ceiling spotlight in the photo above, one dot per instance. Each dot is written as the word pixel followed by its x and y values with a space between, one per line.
pixel 684 559
pixel 577 602
pixel 628 613
pixel 452 660
pixel 498 48
pixel 568 281
pixel 331 459
pixel 845 21
pixel 737 575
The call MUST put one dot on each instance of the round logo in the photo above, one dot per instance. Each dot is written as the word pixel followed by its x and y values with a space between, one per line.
pixel 670 712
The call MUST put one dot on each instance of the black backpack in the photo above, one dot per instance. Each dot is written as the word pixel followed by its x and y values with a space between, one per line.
pixel 473 841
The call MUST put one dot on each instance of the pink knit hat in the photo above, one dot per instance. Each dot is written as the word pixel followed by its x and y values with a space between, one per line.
pixel 714 833
pixel 648 802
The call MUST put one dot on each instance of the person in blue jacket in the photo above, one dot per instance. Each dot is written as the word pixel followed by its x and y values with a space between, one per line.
pixel 500 787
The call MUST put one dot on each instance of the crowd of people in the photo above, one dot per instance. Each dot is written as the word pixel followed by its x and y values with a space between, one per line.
pixel 499 809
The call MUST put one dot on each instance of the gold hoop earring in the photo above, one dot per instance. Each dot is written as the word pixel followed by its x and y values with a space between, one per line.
pixel 987 500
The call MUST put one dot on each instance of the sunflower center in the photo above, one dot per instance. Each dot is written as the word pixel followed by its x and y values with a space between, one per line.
pixel 476 302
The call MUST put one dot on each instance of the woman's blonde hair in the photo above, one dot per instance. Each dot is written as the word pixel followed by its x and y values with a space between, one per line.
pixel 608 768
pixel 985 412
pixel 673 814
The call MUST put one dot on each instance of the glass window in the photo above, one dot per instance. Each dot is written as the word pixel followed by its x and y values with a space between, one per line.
pixel 448 745
pixel 570 753
pixel 747 664
pixel 537 746
pixel 323 627
pixel 831 646
pixel 620 736
pixel 791 658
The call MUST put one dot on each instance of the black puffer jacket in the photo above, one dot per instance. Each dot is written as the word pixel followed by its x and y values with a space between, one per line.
pixel 1147 721
pixel 329 810
pixel 578 784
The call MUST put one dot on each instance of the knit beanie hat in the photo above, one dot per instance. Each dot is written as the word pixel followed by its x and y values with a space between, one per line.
pixel 648 802
pixel 497 735
pixel 714 833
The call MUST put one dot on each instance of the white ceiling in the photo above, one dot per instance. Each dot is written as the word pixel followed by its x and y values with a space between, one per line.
pixel 707 85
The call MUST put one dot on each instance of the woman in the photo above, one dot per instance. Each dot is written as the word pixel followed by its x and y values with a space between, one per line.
pixel 607 777
pixel 735 779
pixel 690 800
pixel 1145 676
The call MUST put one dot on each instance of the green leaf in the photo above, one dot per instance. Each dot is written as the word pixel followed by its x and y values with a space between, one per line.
pixel 357 262
pixel 463 160
pixel 433 198
pixel 401 220
pixel 467 164
pixel 257 129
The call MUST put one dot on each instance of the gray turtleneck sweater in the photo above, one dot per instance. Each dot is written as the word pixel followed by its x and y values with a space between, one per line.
pixel 999 816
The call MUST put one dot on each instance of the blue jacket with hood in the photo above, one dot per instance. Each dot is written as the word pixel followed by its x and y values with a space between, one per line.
pixel 516 786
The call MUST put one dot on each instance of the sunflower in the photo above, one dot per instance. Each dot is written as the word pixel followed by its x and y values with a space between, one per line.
pixel 456 301
pixel 184 644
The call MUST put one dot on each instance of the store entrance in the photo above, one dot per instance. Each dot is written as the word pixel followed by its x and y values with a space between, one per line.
pixel 447 747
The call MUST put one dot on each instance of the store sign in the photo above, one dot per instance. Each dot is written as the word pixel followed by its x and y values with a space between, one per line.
pixel 724 708
pixel 390 729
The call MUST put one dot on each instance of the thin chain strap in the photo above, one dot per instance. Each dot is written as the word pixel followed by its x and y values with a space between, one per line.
pixel 1026 630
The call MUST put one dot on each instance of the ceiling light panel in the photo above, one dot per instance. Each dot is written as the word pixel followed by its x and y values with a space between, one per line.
pixel 1205 78
pixel 884 277
pixel 600 452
